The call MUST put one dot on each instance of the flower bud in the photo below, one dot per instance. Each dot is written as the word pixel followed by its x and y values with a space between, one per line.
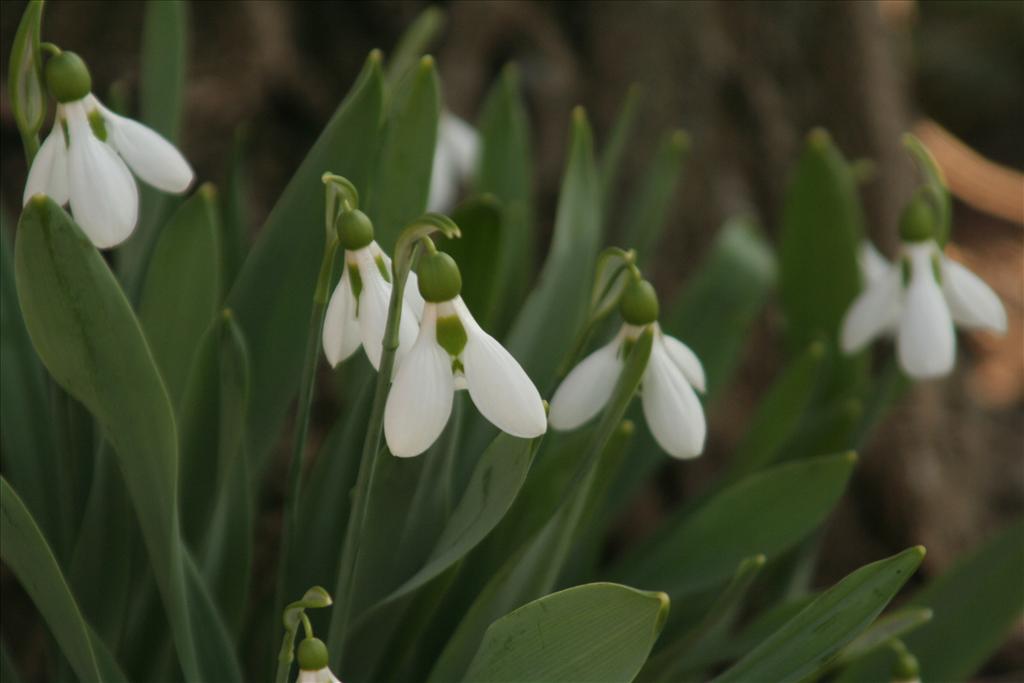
pixel 639 303
pixel 355 230
pixel 439 277
pixel 68 77
pixel 918 221
pixel 312 654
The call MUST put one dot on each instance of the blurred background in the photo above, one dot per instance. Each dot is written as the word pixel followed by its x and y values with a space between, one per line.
pixel 746 81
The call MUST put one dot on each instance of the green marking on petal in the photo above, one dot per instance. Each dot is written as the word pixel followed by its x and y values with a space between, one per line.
pixel 98 125
pixel 67 135
pixel 457 367
pixel 905 270
pixel 382 267
pixel 937 268
pixel 356 280
pixel 451 335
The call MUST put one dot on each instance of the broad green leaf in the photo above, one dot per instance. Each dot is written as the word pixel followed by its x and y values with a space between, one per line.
pixel 808 641
pixel 88 338
pixel 765 513
pixel 182 290
pixel 401 181
pixel 554 312
pixel 886 629
pixel 822 227
pixel 975 605
pixel 618 140
pixel 476 252
pixel 935 181
pixel 30 459
pixel 648 208
pixel 505 172
pixel 25 78
pixel 161 98
pixel 778 413
pixel 27 554
pixel 234 207
pixel 597 632
pixel 415 41
pixel 273 294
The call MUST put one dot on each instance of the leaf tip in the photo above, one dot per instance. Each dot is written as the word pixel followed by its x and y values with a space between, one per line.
pixel 819 138
pixel 920 551
pixel 679 140
pixel 426 63
pixel 38 200
pixel 850 457
pixel 579 115
pixel 375 56
pixel 626 428
pixel 816 351
pixel 207 191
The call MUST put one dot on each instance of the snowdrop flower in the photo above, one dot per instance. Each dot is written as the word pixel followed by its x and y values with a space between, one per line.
pixel 455 157
pixel 453 352
pixel 358 310
pixel 313 663
pixel 85 158
pixel 671 407
pixel 918 300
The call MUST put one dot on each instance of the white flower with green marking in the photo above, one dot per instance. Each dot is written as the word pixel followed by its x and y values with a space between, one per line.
pixel 453 352
pixel 313 663
pixel 358 310
pixel 85 159
pixel 670 404
pixel 918 299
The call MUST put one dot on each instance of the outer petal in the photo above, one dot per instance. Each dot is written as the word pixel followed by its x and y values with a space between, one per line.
pixel 412 295
pixel 49 172
pixel 341 329
pixel 671 408
pixel 587 388
pixel 463 143
pixel 104 198
pixel 685 359
pixel 153 158
pixel 498 385
pixel 926 343
pixel 420 400
pixel 373 310
pixel 971 301
pixel 873 312
pixel 324 675
pixel 873 266
pixel 444 184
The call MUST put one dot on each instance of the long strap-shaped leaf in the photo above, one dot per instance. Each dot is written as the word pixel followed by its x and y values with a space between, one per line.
pixel 89 339
pixel 27 553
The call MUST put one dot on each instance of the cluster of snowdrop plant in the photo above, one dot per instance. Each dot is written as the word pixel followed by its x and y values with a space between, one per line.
pixel 158 363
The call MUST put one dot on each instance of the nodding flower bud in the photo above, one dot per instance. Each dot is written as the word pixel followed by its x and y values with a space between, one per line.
pixel 68 77
pixel 918 221
pixel 312 654
pixel 355 230
pixel 639 303
pixel 439 277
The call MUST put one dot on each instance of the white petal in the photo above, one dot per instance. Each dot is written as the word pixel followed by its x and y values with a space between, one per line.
pixel 413 299
pixel 498 385
pixel 462 142
pixel 685 359
pixel 971 301
pixel 153 158
pixel 341 329
pixel 420 400
pixel 324 675
pixel 374 300
pixel 444 184
pixel 873 266
pixel 104 198
pixel 925 344
pixel 671 408
pixel 49 172
pixel 587 388
pixel 874 311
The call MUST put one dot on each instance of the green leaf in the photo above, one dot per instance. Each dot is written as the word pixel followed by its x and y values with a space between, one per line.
pixel 161 97
pixel 273 294
pixel 779 413
pixel 812 638
pixel 935 181
pixel 975 605
pixel 822 227
pixel 505 172
pixel 476 253
pixel 25 79
pixel 235 210
pixel 415 41
pixel 87 336
pixel 401 182
pixel 597 632
pixel 27 554
pixel 611 157
pixel 182 291
pixel 883 632
pixel 546 328
pixel 649 206
pixel 765 513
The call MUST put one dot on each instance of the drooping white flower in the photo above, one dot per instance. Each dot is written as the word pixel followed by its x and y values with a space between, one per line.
pixel 358 309
pixel 455 158
pixel 324 675
pixel 85 158
pixel 313 662
pixel 453 352
pixel 919 299
pixel 671 407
